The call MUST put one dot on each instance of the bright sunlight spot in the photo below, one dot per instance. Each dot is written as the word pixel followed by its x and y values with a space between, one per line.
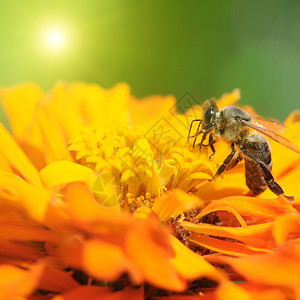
pixel 55 39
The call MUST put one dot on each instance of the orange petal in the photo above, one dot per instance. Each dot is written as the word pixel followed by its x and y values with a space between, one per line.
pixel 280 268
pixel 228 291
pixel 174 203
pixel 16 157
pixel 251 207
pixel 82 205
pixel 255 235
pixel 225 291
pixel 16 282
pixel 262 292
pixel 192 266
pixel 24 232
pixel 225 247
pixel 127 293
pixel 228 209
pixel 290 185
pixel 103 293
pixel 56 280
pixel 229 99
pixel 257 238
pixel 183 297
pixel 285 160
pixel 286 227
pixel 244 290
pixel 19 251
pixel 85 292
pixel 149 248
pixel 106 261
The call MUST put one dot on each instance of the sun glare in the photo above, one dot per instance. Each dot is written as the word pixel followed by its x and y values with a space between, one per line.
pixel 55 39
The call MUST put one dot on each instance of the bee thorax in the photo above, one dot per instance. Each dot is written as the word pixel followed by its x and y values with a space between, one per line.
pixel 230 128
pixel 234 132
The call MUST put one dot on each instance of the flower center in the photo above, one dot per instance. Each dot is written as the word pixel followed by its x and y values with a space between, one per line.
pixel 96 147
pixel 126 156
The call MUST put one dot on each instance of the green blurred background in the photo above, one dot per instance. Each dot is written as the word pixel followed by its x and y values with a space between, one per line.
pixel 160 47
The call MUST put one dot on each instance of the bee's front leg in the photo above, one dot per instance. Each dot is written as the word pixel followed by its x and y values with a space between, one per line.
pixel 226 162
pixel 191 125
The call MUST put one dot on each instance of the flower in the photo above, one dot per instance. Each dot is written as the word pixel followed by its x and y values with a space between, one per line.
pixel 102 196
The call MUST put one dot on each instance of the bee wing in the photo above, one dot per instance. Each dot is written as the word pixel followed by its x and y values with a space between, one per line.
pixel 268 128
pixel 270 124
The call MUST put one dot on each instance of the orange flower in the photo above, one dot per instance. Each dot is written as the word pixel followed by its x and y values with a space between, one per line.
pixel 102 197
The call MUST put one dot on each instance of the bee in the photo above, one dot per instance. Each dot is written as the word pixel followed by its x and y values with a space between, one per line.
pixel 233 124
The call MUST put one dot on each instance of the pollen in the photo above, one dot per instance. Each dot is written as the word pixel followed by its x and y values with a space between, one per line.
pixel 142 201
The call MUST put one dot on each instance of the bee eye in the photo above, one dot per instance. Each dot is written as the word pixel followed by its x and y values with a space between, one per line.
pixel 209 114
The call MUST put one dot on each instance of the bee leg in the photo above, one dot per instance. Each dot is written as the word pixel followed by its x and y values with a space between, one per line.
pixel 225 163
pixel 196 120
pixel 206 130
pixel 196 136
pixel 202 140
pixel 272 184
pixel 211 142
pixel 235 160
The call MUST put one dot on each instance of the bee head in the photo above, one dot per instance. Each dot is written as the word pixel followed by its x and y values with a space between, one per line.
pixel 210 110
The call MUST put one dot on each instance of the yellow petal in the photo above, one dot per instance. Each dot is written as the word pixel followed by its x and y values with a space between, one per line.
pixel 166 172
pixel 16 157
pixel 4 164
pixel 150 109
pixel 19 103
pixel 62 172
pixel 55 147
pixel 107 106
pixel 32 198
pixel 66 106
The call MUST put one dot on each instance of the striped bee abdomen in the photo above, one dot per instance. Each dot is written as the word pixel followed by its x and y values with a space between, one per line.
pixel 259 147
